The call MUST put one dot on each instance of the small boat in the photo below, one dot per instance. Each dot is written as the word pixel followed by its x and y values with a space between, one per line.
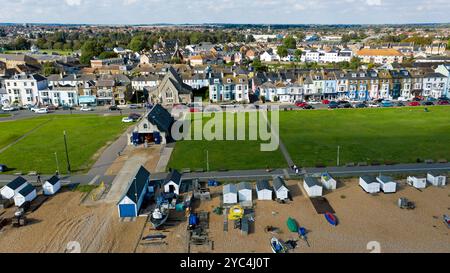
pixel 331 218
pixel 159 217
pixel 154 237
pixel 302 233
pixel 447 220
pixel 292 225
pixel 277 246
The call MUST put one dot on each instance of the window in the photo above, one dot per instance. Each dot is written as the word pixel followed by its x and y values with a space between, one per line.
pixel 32 83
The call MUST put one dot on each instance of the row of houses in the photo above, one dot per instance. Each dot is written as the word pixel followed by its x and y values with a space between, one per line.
pixel 243 192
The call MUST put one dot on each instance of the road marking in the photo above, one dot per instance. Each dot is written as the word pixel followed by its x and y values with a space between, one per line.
pixel 94 180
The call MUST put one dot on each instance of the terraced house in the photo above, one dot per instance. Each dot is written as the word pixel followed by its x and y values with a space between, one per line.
pixel 229 88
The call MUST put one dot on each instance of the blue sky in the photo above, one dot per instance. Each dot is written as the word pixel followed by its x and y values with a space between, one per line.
pixel 225 11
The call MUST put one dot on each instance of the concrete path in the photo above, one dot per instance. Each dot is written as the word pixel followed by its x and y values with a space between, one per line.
pixel 166 153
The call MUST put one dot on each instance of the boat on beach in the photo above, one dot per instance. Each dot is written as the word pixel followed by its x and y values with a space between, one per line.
pixel 158 217
pixel 331 218
pixel 447 220
pixel 277 246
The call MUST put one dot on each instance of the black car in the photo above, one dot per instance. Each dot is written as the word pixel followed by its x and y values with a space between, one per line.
pixel 361 105
pixel 400 104
pixel 113 108
pixel 67 107
pixel 341 102
pixel 3 168
pixel 308 107
pixel 134 116
pixel 427 103
pixel 333 105
pixel 346 105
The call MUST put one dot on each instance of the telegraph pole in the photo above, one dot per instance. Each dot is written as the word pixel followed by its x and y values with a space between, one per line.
pixel 207 160
pixel 67 153
pixel 57 163
pixel 338 155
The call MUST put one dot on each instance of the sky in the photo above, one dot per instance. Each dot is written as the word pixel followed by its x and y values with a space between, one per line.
pixel 225 11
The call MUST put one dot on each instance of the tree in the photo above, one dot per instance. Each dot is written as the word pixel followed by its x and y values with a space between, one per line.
pixel 282 51
pixel 355 63
pixel 89 50
pixel 107 55
pixel 21 44
pixel 137 44
pixel 298 55
pixel 290 43
pixel 48 69
pixel 258 66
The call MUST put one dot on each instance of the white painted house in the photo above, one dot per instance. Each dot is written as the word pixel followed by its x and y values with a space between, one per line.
pixel 280 188
pixel 387 184
pixel 436 179
pixel 369 184
pixel 418 183
pixel 28 193
pixel 52 185
pixel 244 192
pixel 173 182
pixel 312 187
pixel 328 181
pixel 230 194
pixel 263 190
pixel 13 187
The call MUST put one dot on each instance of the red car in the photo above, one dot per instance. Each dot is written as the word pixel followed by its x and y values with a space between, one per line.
pixel 414 103
pixel 326 102
pixel 443 102
pixel 301 104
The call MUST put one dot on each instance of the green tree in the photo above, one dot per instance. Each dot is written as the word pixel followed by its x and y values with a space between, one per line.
pixel 48 69
pixel 107 55
pixel 89 50
pixel 290 43
pixel 282 51
pixel 355 63
pixel 137 44
pixel 298 55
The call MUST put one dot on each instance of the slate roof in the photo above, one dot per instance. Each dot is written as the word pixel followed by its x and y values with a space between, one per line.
pixel 385 179
pixel 138 184
pixel 27 190
pixel 263 185
pixel 16 183
pixel 161 118
pixel 174 176
pixel 278 182
pixel 312 181
pixel 53 180
pixel 229 188
pixel 244 186
pixel 369 179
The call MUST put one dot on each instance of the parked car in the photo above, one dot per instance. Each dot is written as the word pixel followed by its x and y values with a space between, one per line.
pixel 443 102
pixel 414 103
pixel 113 108
pixel 34 109
pixel 3 168
pixel 52 108
pixel 361 105
pixel 333 105
pixel 133 106
pixel 373 105
pixel 308 107
pixel 346 105
pixel 342 102
pixel 127 120
pixel 301 104
pixel 134 116
pixel 67 107
pixel 86 109
pixel 386 103
pixel 42 111
pixel 400 104
pixel 428 103
pixel 10 108
pixel 325 102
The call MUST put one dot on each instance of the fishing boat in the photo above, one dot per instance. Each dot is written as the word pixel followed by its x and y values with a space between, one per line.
pixel 447 220
pixel 292 225
pixel 277 246
pixel 154 237
pixel 331 218
pixel 159 217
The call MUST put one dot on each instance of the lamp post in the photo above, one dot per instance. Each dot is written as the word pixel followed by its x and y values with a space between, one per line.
pixel 338 155
pixel 207 160
pixel 57 163
pixel 67 153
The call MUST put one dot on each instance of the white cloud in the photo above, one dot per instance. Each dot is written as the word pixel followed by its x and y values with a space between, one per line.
pixel 73 2
pixel 373 2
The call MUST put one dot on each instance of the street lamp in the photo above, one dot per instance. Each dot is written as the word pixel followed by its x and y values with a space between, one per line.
pixel 338 155
pixel 67 153
pixel 207 160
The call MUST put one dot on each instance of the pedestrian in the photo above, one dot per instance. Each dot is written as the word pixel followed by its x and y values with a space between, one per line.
pixel 57 173
pixel 118 153
pixel 39 179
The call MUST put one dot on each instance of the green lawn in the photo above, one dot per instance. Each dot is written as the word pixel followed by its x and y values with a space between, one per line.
pixel 398 135
pixel 48 51
pixel 86 134
pixel 231 155
pixel 387 135
pixel 4 115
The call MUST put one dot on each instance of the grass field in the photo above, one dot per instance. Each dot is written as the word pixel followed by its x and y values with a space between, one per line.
pixel 47 51
pixel 86 134
pixel 388 135
pixel 4 115
pixel 397 135
pixel 231 155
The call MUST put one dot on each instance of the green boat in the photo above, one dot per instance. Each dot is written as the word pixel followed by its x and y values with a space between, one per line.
pixel 292 225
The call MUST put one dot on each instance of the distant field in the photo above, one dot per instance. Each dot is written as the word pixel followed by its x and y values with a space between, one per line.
pixel 86 134
pixel 4 115
pixel 48 51
pixel 231 155
pixel 399 135
pixel 387 135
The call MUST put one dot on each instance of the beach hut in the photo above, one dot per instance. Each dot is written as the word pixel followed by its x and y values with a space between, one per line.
pixel 263 190
pixel 328 181
pixel 436 179
pixel 369 184
pixel 418 183
pixel 13 187
pixel 27 193
pixel 312 186
pixel 280 188
pixel 387 184
pixel 172 182
pixel 244 192
pixel 52 185
pixel 130 204
pixel 230 194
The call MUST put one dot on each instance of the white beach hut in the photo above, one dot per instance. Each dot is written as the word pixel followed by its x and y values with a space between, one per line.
pixel 172 182
pixel 436 179
pixel 418 183
pixel 13 187
pixel 387 184
pixel 328 181
pixel 52 185
pixel 280 188
pixel 230 194
pixel 263 190
pixel 28 193
pixel 244 192
pixel 312 187
pixel 369 184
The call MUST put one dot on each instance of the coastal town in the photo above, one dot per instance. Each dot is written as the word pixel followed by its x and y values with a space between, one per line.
pixel 90 160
